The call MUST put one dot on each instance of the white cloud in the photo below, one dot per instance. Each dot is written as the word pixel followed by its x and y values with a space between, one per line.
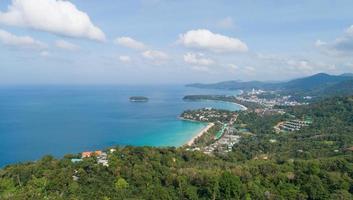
pixel 62 44
pixel 130 43
pixel 197 59
pixel 20 41
pixel 54 16
pixel 125 59
pixel 301 65
pixel 341 46
pixel 155 55
pixel 205 39
pixel 226 23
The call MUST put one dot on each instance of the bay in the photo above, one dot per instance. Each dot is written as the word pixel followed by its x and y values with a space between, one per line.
pixel 56 120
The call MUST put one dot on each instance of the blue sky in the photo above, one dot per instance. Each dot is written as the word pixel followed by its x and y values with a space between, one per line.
pixel 172 41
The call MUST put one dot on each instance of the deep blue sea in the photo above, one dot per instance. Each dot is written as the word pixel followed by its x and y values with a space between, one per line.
pixel 56 120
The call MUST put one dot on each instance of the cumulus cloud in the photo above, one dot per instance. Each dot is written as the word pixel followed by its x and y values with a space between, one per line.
pixel 125 59
pixel 20 41
pixel 130 43
pixel 155 55
pixel 205 39
pixel 62 44
pixel 197 59
pixel 54 16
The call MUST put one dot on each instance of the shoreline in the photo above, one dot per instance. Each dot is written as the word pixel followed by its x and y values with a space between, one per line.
pixel 244 108
pixel 209 125
pixel 199 134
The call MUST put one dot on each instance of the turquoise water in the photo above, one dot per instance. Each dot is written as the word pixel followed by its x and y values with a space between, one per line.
pixel 36 121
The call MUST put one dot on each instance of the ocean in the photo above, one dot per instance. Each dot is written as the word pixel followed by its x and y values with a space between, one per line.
pixel 57 120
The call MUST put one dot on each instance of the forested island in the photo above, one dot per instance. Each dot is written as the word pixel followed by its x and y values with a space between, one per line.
pixel 315 162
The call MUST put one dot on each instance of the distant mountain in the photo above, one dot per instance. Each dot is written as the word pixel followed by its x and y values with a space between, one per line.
pixel 234 85
pixel 316 84
pixel 347 74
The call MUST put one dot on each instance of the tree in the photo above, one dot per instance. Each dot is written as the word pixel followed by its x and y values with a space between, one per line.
pixel 121 186
pixel 229 186
pixel 7 188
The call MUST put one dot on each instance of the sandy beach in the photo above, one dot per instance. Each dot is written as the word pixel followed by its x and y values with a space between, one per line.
pixel 204 130
pixel 243 108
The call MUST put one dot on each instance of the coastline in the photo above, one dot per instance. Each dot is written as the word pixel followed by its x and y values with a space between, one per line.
pixel 209 125
pixel 244 108
pixel 203 131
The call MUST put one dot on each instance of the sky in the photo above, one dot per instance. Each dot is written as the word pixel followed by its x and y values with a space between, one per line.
pixel 172 41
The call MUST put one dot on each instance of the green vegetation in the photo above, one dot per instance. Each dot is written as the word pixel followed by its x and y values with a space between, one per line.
pixel 313 163
pixel 208 137
pixel 209 115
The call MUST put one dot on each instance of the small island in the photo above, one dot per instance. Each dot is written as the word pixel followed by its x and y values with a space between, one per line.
pixel 138 99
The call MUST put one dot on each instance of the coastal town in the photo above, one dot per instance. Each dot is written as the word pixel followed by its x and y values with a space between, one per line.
pixel 223 131
pixel 223 137
pixel 269 99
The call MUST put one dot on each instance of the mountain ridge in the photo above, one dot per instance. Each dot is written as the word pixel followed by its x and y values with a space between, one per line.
pixel 316 84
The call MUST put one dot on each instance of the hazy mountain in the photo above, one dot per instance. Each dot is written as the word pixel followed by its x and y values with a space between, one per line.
pixel 316 84
pixel 313 82
pixel 347 74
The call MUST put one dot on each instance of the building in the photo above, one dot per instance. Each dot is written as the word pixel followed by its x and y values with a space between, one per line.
pixel 292 125
pixel 88 154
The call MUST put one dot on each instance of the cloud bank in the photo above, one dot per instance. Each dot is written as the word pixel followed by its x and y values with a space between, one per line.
pixel 54 16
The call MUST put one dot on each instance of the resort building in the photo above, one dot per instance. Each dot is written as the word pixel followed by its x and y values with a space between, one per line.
pixel 292 125
pixel 88 154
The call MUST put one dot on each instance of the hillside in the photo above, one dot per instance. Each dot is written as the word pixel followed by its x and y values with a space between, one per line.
pixel 313 163
pixel 315 82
